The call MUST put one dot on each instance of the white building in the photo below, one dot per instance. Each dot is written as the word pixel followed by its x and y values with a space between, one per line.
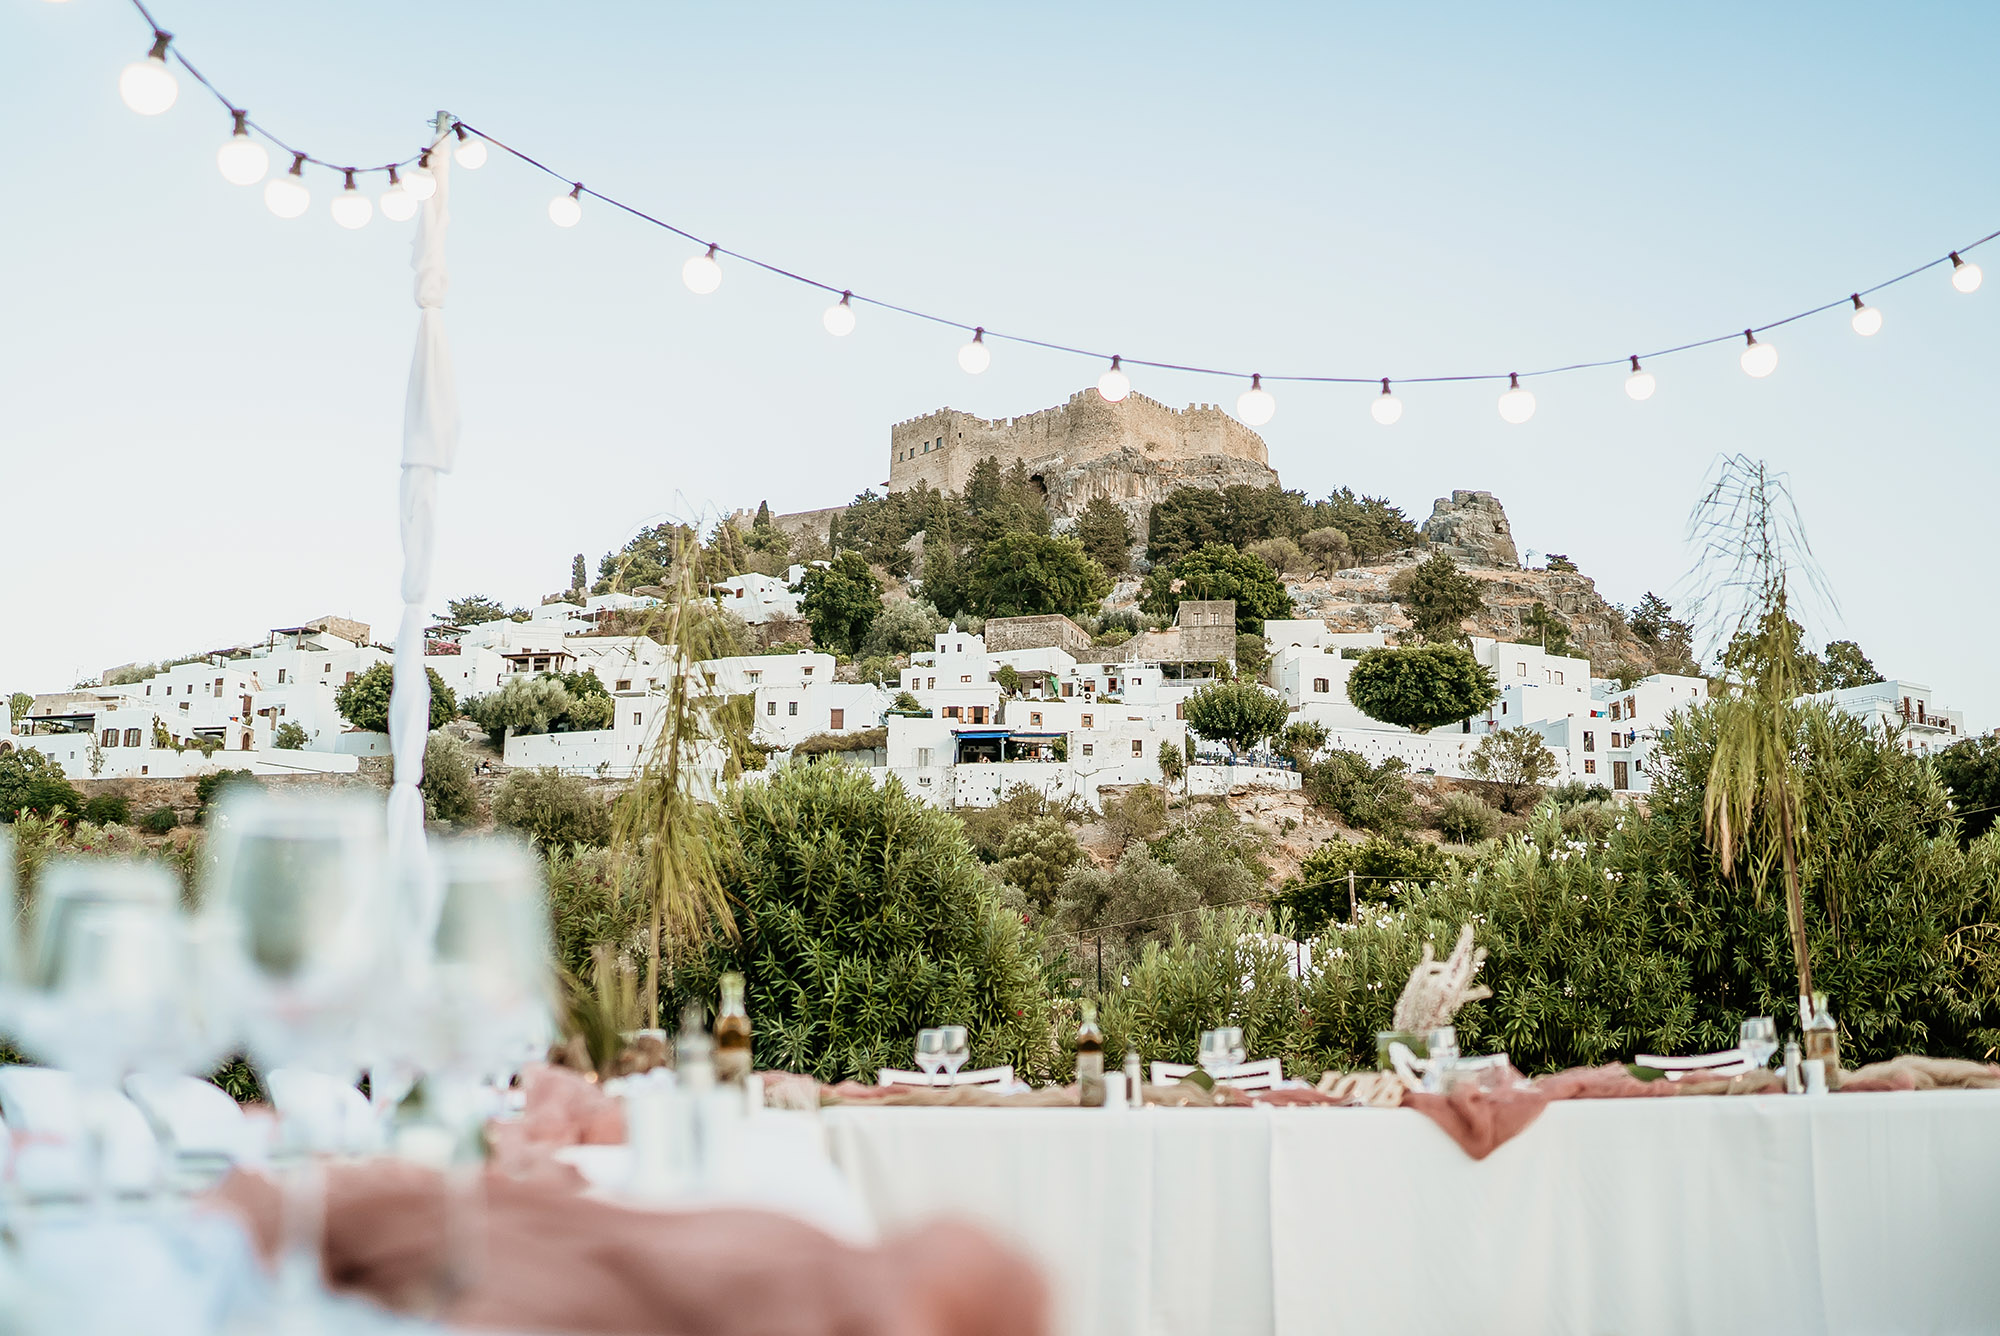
pixel 1901 707
pixel 758 598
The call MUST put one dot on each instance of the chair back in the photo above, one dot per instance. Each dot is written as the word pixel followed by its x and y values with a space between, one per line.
pixel 977 1076
pixel 194 1117
pixel 329 1113
pixel 1264 1074
pixel 1728 1062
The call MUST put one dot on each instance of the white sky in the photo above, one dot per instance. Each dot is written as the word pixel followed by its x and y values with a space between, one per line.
pixel 200 404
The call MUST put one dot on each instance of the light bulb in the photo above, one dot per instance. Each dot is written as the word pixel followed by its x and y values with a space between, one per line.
pixel 1387 408
pixel 974 357
pixel 420 182
pixel 243 160
pixel 148 86
pixel 1255 405
pixel 1866 319
pixel 839 317
pixel 351 208
pixel 1516 404
pixel 471 151
pixel 1965 275
pixel 397 203
pixel 1114 384
pixel 567 210
pixel 1640 384
pixel 701 273
pixel 287 195
pixel 1759 359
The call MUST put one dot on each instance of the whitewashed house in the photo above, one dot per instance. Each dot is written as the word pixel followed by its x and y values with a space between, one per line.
pixel 1907 709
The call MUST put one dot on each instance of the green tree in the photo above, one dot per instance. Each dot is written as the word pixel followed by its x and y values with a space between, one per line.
pixel 863 915
pixel 1367 797
pixel 1844 665
pixel 908 627
pixel 1300 741
pixel 590 703
pixel 842 601
pixel 1189 518
pixel 1027 574
pixel 1970 771
pixel 579 574
pixel 1215 572
pixel 1560 564
pixel 290 736
pixel 646 559
pixel 449 793
pixel 552 808
pixel 1465 818
pixel 1439 597
pixel 1241 714
pixel 1327 549
pixel 1037 856
pixel 1252 655
pixel 364 702
pixel 1106 534
pixel 1282 555
pixel 1670 640
pixel 524 704
pixel 474 609
pixel 1548 628
pixel 1383 867
pixel 30 781
pixel 1517 761
pixel 1373 527
pixel 1420 687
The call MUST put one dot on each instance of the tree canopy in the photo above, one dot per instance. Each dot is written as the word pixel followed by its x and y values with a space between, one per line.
pixel 842 601
pixel 1213 572
pixel 1970 770
pixel 474 609
pixel 1439 597
pixel 1027 574
pixel 1239 713
pixel 1420 687
pixel 30 781
pixel 1518 761
pixel 1106 534
pixel 364 702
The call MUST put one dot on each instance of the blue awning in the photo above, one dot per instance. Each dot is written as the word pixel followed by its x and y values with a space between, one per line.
pixel 985 733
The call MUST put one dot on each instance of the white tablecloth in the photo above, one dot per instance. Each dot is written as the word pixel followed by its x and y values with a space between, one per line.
pixel 1848 1213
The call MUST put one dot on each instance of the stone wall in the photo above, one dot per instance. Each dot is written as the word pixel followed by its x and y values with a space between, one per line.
pixel 1054 631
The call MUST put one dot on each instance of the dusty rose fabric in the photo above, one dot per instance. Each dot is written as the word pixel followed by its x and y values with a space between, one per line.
pixel 552 1260
pixel 1292 1097
pixel 1480 1121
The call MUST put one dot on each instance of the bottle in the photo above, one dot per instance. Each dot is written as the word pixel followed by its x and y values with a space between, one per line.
pixel 694 1055
pixel 1090 1060
pixel 732 1033
pixel 1795 1081
pixel 1135 1090
pixel 1822 1039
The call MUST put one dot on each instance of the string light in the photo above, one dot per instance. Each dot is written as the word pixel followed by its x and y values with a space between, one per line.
pixel 839 317
pixel 471 151
pixel 287 195
pixel 241 159
pixel 1516 404
pixel 421 183
pixel 1640 384
pixel 567 210
pixel 1965 275
pixel 1114 384
pixel 148 86
pixel 1387 408
pixel 351 208
pixel 1255 405
pixel 701 273
pixel 397 203
pixel 1866 319
pixel 974 357
pixel 1759 359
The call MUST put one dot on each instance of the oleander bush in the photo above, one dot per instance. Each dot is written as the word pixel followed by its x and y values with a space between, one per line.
pixel 552 808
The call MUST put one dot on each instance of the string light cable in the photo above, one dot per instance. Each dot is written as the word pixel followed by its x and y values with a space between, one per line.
pixel 148 87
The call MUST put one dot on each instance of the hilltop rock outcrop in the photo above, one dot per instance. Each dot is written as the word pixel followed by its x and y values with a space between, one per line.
pixel 1471 528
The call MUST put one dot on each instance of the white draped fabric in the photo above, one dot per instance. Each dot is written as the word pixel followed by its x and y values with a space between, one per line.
pixel 430 443
pixel 1841 1214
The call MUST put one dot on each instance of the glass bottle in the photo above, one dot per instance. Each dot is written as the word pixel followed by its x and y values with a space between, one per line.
pixel 1822 1039
pixel 1135 1089
pixel 1090 1060
pixel 694 1054
pixel 732 1032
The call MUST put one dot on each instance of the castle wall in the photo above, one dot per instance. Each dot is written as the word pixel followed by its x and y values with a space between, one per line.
pixel 942 448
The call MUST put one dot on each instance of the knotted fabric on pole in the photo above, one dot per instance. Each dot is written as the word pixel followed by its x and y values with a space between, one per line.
pixel 430 441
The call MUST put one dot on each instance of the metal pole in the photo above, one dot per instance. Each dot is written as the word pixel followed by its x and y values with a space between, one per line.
pixel 1352 905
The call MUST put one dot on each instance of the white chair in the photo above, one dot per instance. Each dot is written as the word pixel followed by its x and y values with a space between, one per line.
pixel 1728 1062
pixel 978 1076
pixel 45 1109
pixel 329 1114
pixel 1264 1074
pixel 196 1119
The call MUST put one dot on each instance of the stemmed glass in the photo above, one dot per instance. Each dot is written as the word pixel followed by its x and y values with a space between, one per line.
pixel 1758 1038
pixel 930 1054
pixel 1232 1039
pixel 1213 1053
pixel 956 1050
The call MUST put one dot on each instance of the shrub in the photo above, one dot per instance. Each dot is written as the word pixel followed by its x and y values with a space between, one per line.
pixel 1241 714
pixel 1465 818
pixel 1037 856
pixel 364 702
pixel 159 821
pixel 1573 792
pixel 1217 571
pixel 1282 555
pixel 552 808
pixel 594 900
pixel 987 828
pixel 209 789
pixel 108 809
pixel 523 704
pixel 1300 740
pixel 31 782
pixel 1970 770
pixel 1366 797
pixel 1383 868
pixel 1439 597
pixel 863 916
pixel 1517 762
pixel 907 627
pixel 449 793
pixel 1420 687
pixel 1139 813
pixel 842 601
pixel 290 736
pixel 1222 968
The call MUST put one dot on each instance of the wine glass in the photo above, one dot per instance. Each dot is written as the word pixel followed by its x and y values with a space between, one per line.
pixel 1232 1039
pixel 1213 1052
pixel 956 1050
pixel 1758 1038
pixel 930 1054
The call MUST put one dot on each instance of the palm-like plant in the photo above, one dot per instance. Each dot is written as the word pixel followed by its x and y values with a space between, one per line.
pixel 1752 542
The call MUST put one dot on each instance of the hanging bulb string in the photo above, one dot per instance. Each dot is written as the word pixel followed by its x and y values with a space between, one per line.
pixel 1046 345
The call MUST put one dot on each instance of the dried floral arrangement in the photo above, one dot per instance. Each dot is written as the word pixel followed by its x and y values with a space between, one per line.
pixel 1438 988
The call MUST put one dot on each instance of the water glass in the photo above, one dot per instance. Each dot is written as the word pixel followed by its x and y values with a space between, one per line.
pixel 1213 1053
pixel 956 1050
pixel 1232 1040
pixel 1758 1038
pixel 930 1053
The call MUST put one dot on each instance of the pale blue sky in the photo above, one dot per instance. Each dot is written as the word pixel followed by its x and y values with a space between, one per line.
pixel 200 404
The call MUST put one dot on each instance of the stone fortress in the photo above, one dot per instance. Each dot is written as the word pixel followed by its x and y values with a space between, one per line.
pixel 1135 451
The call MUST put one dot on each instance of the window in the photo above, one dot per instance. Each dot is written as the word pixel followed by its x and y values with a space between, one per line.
pixel 1089 721
pixel 110 738
pixel 1590 740
pixel 923 756
pixel 1089 748
pixel 838 720
pixel 739 593
pixel 1069 689
pixel 218 688
pixel 754 676
pixel 133 737
pixel 1034 719
pixel 1615 708
pixel 951 712
pixel 1631 708
pixel 1520 670
pixel 170 691
pixel 1503 707
pixel 930 684
pixel 350 676
pixel 1321 685
pixel 1090 687
pixel 1180 709
pixel 638 718
pixel 770 707
pixel 329 668
pixel 281 677
pixel 965 677
pixel 806 671
pixel 1133 681
pixel 1590 767
pixel 792 708
pixel 622 684
pixel 1138 747
pixel 149 688
pixel 1559 678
